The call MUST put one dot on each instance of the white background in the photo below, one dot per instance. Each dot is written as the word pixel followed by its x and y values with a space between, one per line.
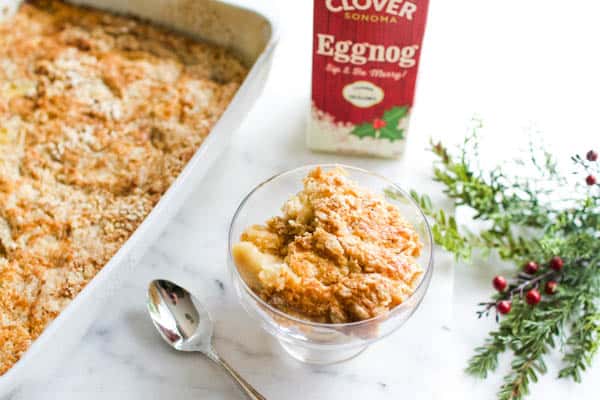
pixel 522 66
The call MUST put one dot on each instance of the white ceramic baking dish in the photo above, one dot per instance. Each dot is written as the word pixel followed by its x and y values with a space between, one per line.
pixel 252 37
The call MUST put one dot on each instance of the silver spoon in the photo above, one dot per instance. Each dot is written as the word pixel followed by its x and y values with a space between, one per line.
pixel 185 324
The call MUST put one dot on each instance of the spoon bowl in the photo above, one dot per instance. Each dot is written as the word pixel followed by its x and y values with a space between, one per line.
pixel 181 320
pixel 185 324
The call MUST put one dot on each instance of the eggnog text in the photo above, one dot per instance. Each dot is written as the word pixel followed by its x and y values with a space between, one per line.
pixel 346 51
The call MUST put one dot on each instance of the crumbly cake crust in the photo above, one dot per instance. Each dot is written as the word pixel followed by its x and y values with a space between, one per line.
pixel 340 253
pixel 98 115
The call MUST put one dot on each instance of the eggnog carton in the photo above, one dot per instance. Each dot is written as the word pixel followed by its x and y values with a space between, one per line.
pixel 365 61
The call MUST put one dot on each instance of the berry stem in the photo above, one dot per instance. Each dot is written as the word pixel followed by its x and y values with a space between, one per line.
pixel 508 295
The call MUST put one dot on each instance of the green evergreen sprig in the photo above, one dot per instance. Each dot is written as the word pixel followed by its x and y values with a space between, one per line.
pixel 528 219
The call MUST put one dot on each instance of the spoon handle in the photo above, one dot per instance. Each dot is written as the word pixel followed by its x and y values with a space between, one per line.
pixel 244 386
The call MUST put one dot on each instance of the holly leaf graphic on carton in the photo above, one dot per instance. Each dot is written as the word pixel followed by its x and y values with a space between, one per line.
pixel 364 130
pixel 385 127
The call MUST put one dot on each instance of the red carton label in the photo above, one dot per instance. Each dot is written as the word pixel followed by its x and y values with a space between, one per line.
pixel 365 61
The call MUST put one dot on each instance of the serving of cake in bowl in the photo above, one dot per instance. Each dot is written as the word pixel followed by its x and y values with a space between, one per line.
pixel 346 263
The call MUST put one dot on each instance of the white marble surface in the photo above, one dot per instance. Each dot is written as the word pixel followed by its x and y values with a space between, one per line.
pixel 505 61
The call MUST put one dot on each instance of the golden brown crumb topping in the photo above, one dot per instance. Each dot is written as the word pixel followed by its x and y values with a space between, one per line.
pixel 340 253
pixel 98 115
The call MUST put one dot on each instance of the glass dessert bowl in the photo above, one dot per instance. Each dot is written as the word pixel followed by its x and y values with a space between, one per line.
pixel 346 265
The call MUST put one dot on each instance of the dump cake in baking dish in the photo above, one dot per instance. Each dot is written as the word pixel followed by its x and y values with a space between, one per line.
pixel 98 115
pixel 339 253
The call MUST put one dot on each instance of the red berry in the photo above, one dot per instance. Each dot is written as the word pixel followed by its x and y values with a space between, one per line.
pixel 531 267
pixel 378 123
pixel 551 287
pixel 591 155
pixel 499 283
pixel 503 307
pixel 590 180
pixel 557 263
pixel 533 297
